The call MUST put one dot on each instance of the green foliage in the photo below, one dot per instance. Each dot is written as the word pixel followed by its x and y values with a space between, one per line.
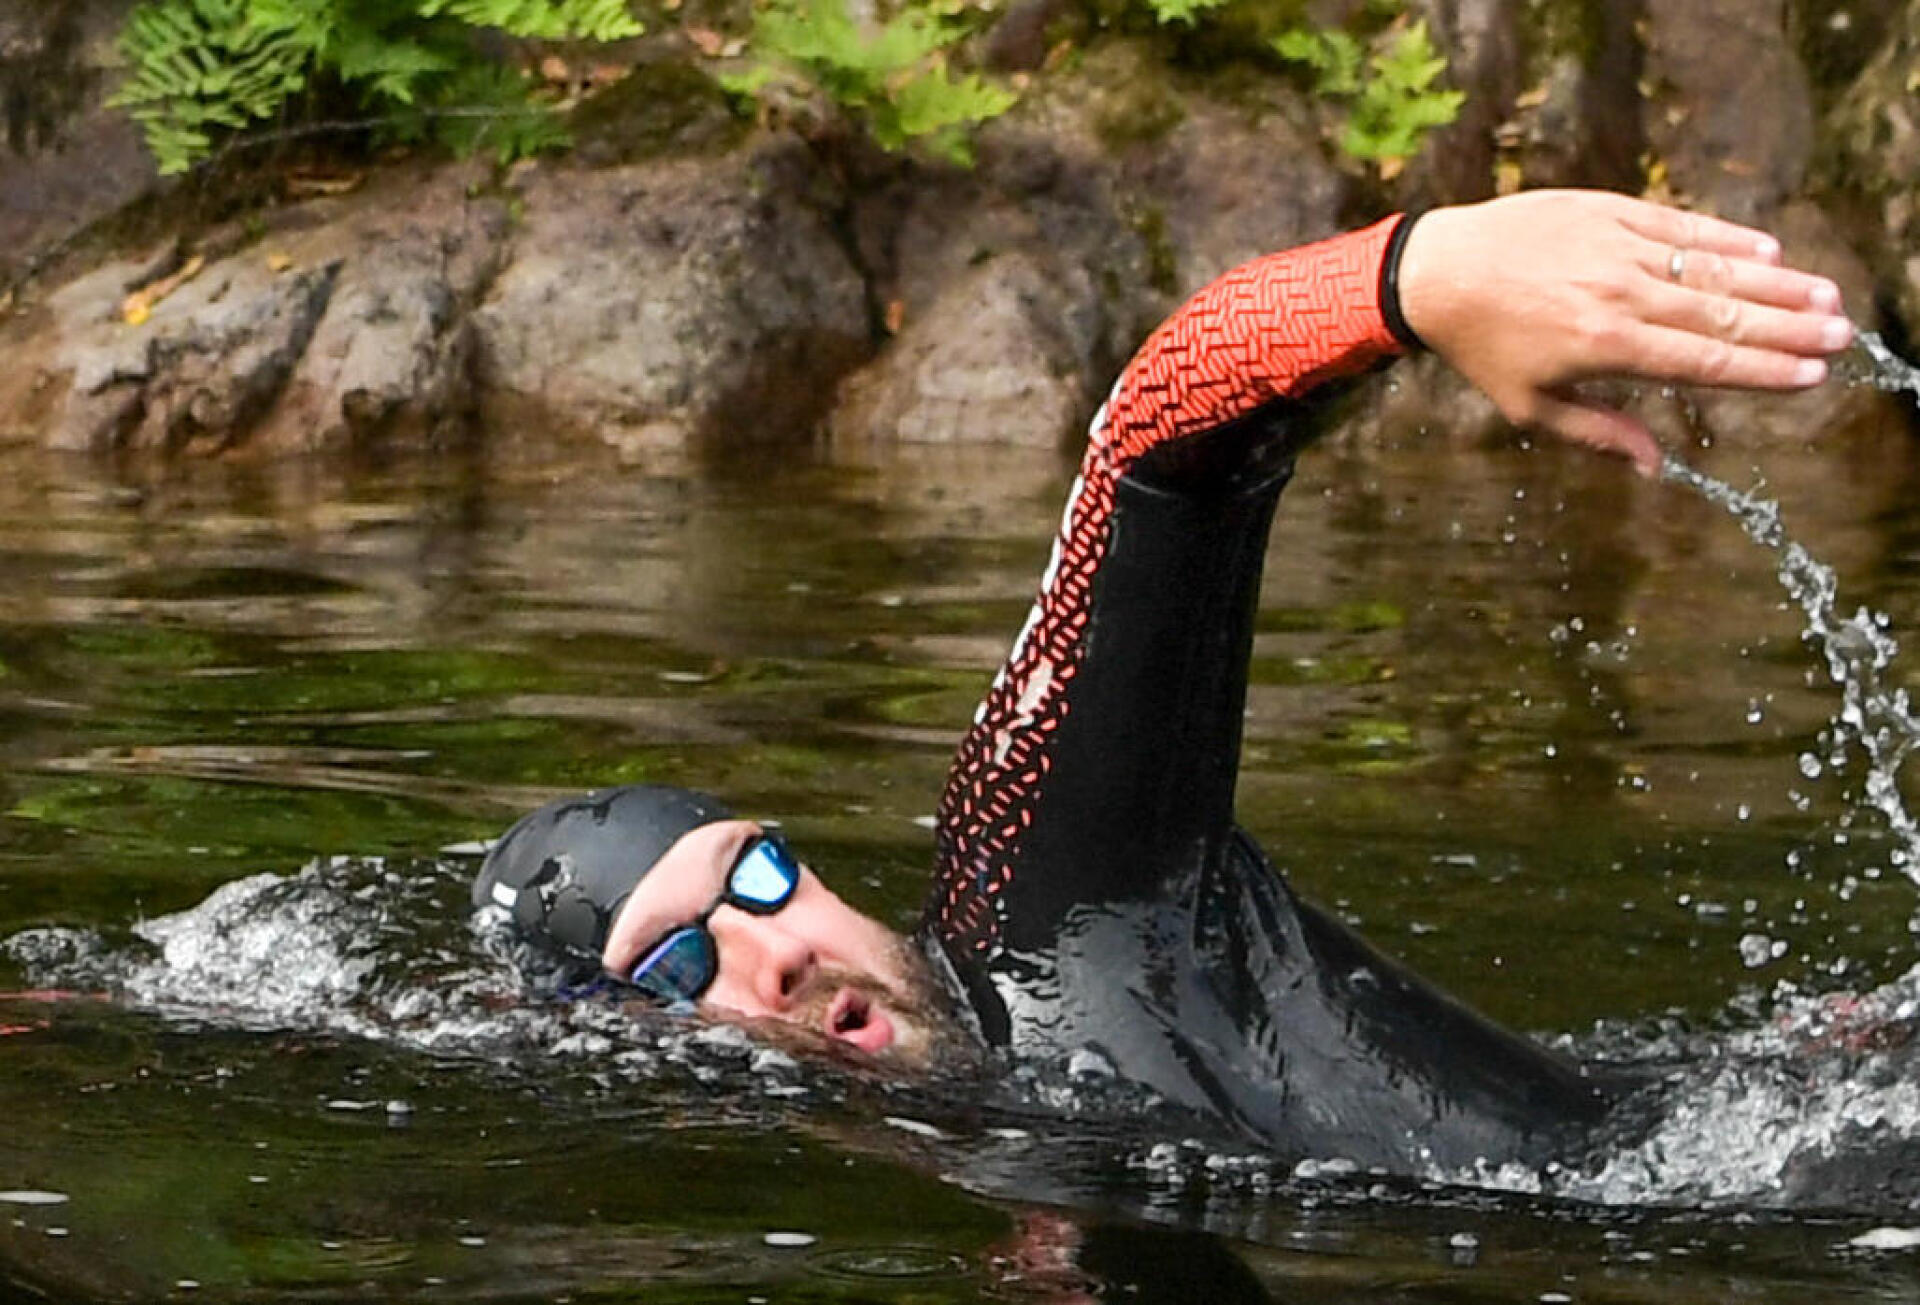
pixel 894 75
pixel 204 68
pixel 1182 11
pixel 1389 91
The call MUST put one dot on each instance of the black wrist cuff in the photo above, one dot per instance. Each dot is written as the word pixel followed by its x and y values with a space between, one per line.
pixel 1390 286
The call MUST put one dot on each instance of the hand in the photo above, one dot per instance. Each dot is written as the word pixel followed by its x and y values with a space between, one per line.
pixel 1528 294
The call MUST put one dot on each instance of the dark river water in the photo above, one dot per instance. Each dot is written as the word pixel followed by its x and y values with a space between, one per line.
pixel 1551 735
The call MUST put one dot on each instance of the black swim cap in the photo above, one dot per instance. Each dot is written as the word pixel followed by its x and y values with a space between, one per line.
pixel 565 870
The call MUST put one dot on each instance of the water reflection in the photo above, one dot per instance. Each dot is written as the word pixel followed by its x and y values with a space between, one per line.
pixel 1536 726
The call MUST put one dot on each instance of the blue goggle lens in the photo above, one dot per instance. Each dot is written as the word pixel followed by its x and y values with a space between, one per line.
pixel 679 968
pixel 685 963
pixel 764 877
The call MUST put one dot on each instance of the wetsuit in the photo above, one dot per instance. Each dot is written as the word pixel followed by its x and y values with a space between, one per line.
pixel 1092 890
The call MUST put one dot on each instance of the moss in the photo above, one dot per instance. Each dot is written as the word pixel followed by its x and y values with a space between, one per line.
pixel 661 108
pixel 1162 267
pixel 1134 99
pixel 1557 29
pixel 1834 53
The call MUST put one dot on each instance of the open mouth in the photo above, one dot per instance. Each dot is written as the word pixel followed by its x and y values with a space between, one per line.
pixel 853 1017
pixel 849 1013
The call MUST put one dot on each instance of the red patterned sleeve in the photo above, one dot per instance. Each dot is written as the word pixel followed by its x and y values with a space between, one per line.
pixel 1271 330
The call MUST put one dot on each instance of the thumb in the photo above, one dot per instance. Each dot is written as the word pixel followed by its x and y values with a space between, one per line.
pixel 1605 429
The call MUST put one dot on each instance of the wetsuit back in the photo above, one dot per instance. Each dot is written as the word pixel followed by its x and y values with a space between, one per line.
pixel 1093 891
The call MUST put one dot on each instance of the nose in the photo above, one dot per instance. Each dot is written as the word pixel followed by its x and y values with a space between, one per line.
pixel 778 963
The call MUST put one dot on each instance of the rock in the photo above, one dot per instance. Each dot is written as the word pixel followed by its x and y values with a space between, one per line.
pixel 1105 198
pixel 1230 182
pixel 390 360
pixel 1732 110
pixel 1481 39
pixel 66 160
pixel 1873 136
pixel 197 374
pixel 1837 39
pixel 1576 122
pixel 987 363
pixel 343 322
pixel 689 299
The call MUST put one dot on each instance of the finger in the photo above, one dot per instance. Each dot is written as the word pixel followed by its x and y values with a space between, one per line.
pixel 1604 429
pixel 1662 353
pixel 1740 321
pixel 1676 228
pixel 1763 283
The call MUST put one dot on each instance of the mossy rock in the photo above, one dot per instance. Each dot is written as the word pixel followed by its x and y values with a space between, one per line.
pixel 661 109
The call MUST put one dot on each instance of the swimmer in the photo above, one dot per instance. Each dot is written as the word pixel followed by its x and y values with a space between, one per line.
pixel 1092 893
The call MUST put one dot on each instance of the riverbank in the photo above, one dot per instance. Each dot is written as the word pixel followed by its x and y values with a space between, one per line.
pixel 685 280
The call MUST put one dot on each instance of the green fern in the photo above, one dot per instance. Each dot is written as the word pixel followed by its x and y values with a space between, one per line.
pixel 1390 94
pixel 205 69
pixel 893 76
pixel 1181 11
pixel 542 20
pixel 485 108
pixel 1398 105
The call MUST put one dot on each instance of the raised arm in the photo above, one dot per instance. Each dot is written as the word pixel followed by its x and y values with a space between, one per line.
pixel 1238 351
pixel 1526 296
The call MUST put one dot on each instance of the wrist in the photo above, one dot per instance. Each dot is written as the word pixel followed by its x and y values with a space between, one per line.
pixel 1391 308
pixel 1425 284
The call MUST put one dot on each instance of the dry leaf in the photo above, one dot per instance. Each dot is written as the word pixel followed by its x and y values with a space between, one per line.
pixel 307 184
pixel 1532 99
pixel 137 307
pixel 896 315
pixel 279 262
pixel 6 303
pixel 1507 177
pixel 554 69
pixel 706 40
pixel 1391 168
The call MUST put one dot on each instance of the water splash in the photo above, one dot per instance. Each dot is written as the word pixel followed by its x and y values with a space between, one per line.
pixel 1876 718
pixel 1890 372
pixel 388 952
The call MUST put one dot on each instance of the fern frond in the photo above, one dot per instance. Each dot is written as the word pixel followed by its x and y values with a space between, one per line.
pixel 545 20
pixel 392 69
pixel 487 107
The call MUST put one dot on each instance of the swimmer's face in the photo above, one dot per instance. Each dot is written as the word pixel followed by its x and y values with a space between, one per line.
pixel 816 963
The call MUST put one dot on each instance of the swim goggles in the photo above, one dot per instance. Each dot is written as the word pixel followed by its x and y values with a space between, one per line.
pixel 685 962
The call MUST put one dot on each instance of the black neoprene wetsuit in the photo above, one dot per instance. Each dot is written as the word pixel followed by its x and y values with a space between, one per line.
pixel 1093 891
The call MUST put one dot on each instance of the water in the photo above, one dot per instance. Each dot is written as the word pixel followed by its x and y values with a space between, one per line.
pixel 1889 371
pixel 1539 729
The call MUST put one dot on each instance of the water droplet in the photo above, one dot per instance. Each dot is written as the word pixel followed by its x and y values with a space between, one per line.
pixel 790 1240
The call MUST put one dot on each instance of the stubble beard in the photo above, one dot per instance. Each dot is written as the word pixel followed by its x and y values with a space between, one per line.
pixel 927 1038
